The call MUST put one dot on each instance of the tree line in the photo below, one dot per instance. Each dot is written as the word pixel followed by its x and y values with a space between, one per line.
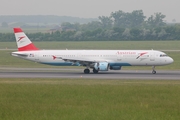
pixel 118 26
pixel 44 19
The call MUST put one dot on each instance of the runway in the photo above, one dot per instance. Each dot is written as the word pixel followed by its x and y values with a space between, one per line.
pixel 78 73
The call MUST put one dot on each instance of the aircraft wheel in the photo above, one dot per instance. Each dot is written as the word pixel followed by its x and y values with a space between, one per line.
pixel 86 71
pixel 95 71
pixel 153 72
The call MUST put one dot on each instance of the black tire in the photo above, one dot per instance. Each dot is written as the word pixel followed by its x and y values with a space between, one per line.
pixel 153 72
pixel 86 71
pixel 95 71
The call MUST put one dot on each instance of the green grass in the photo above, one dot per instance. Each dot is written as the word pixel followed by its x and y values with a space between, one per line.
pixel 72 99
pixel 120 45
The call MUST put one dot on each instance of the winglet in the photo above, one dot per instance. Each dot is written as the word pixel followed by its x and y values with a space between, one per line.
pixel 23 42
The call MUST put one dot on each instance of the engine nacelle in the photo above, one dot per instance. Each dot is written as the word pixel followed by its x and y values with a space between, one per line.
pixel 115 67
pixel 101 66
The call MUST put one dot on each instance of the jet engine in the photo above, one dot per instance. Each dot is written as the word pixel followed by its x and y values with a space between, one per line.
pixel 101 66
pixel 115 67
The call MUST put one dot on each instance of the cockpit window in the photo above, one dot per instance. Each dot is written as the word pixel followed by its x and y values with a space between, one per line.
pixel 163 55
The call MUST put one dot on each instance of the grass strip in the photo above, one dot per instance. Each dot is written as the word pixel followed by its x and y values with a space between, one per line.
pixel 77 99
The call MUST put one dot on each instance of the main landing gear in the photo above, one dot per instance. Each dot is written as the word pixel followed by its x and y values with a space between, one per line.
pixel 95 71
pixel 153 70
pixel 87 71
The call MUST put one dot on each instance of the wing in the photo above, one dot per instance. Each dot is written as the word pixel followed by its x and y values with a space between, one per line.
pixel 82 61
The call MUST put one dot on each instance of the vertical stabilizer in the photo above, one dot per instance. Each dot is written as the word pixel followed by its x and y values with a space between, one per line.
pixel 23 42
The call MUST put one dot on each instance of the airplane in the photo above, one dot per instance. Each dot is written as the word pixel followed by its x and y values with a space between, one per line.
pixel 97 60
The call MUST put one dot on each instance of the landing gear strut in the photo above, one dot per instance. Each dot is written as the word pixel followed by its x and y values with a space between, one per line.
pixel 153 70
pixel 86 71
pixel 95 71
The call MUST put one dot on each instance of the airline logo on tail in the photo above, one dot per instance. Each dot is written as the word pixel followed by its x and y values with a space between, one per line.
pixel 20 38
pixel 26 45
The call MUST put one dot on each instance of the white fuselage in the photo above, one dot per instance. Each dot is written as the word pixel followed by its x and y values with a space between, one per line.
pixel 98 60
pixel 113 57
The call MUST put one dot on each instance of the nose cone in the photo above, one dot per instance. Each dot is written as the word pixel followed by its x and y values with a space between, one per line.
pixel 170 60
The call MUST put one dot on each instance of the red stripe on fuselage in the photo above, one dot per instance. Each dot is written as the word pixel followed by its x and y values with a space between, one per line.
pixel 17 30
pixel 28 47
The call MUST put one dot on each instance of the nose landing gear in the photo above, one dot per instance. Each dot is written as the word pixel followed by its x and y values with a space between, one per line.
pixel 153 70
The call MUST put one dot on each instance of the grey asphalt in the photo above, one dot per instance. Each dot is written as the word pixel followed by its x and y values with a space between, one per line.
pixel 78 73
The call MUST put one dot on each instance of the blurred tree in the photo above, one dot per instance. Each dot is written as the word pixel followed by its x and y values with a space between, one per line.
pixel 119 18
pixel 91 26
pixel 106 22
pixel 156 20
pixel 126 34
pixel 66 25
pixel 128 20
pixel 136 18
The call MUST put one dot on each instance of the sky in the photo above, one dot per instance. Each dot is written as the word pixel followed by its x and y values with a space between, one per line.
pixel 90 8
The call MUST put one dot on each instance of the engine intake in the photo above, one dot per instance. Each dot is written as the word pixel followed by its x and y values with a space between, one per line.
pixel 101 66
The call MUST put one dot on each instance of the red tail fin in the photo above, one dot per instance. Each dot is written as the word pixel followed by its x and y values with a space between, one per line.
pixel 23 42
